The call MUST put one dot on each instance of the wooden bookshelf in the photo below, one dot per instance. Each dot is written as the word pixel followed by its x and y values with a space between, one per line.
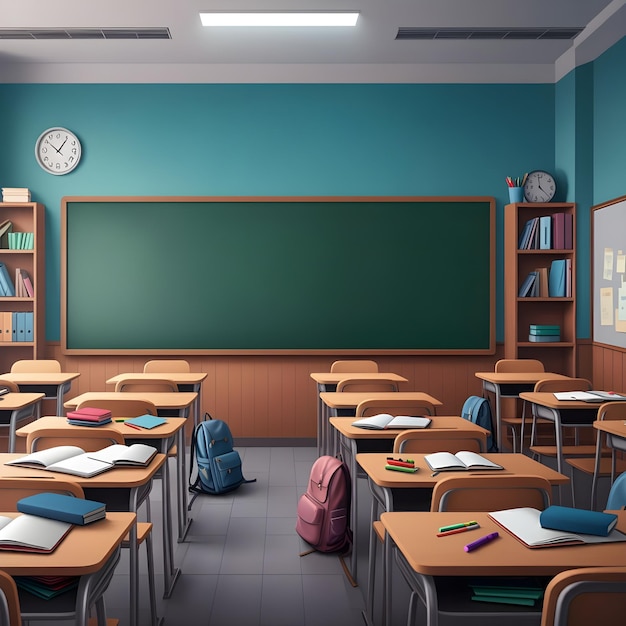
pixel 25 217
pixel 521 312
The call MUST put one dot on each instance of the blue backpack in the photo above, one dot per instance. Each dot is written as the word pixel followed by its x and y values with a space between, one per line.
pixel 215 467
pixel 477 410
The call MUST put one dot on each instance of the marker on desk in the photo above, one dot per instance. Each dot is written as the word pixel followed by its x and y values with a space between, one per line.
pixel 443 529
pixel 481 542
pixel 458 530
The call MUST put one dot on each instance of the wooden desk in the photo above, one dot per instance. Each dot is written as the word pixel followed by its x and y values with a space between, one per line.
pixel 336 401
pixel 89 551
pixel 327 381
pixel 120 489
pixel 562 413
pixel 186 381
pixel 510 385
pixel 385 487
pixel 16 407
pixel 54 385
pixel 161 437
pixel 180 401
pixel 353 440
pixel 615 436
pixel 426 557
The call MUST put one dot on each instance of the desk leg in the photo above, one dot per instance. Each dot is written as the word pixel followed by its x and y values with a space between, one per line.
pixel 184 521
pixel 134 575
pixel 349 445
pixel 171 573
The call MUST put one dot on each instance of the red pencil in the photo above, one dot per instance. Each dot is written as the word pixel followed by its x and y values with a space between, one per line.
pixel 132 426
pixel 458 530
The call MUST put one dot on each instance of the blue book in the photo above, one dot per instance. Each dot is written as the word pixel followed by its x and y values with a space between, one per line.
pixel 578 520
pixel 545 232
pixel 146 421
pixel 64 508
pixel 5 281
pixel 28 325
pixel 556 279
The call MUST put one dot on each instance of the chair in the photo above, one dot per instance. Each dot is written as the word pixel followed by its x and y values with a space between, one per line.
pixel 96 439
pixel 484 493
pixel 166 365
pixel 36 365
pixel 138 384
pixel 603 466
pixel 10 612
pixel 365 384
pixel 10 385
pixel 617 494
pixel 354 366
pixel 120 407
pixel 554 385
pixel 513 423
pixel 427 440
pixel 374 406
pixel 588 595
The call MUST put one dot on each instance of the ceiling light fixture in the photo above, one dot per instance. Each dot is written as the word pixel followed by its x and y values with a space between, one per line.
pixel 267 18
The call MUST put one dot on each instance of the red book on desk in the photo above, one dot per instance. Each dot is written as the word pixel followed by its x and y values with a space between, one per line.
pixel 90 414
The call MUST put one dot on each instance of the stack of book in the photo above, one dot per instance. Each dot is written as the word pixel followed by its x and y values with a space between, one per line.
pixel 530 288
pixel 524 593
pixel 23 284
pixel 15 194
pixel 20 241
pixel 89 416
pixel 544 333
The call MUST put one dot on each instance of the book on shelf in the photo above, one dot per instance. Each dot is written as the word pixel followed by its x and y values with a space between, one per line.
pixel 558 231
pixel 65 459
pixel 545 232
pixel 526 287
pixel 463 460
pixel 146 421
pixel 20 241
pixel 31 533
pixel 544 329
pixel 525 235
pixel 15 194
pixel 568 237
pixel 383 421
pixel 542 281
pixel 63 507
pixel 556 279
pixel 5 228
pixel 543 338
pixel 590 396
pixel 524 523
pixel 568 278
pixel 575 520
pixel 7 288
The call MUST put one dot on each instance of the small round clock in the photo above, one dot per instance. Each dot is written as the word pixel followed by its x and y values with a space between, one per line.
pixel 539 187
pixel 58 151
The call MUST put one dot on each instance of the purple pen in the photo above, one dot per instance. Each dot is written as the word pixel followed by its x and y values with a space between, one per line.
pixel 480 542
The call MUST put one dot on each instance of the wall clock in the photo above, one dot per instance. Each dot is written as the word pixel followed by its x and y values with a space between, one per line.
pixel 539 187
pixel 58 151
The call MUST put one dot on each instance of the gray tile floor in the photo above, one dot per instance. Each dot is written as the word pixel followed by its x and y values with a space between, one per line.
pixel 240 564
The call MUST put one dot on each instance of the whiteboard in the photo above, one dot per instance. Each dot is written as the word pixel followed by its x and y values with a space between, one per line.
pixel 608 226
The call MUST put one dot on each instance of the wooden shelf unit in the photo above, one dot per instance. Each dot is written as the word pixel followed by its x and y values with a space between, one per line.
pixel 520 313
pixel 25 217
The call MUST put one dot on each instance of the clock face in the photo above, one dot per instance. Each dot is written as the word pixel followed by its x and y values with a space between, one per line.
pixel 539 187
pixel 58 151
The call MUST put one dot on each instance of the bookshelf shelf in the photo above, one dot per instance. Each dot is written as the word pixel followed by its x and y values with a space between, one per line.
pixel 24 217
pixel 521 312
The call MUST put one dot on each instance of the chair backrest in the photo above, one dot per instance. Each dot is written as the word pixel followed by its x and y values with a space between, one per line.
pixel 138 384
pixel 166 365
pixel 428 440
pixel 519 365
pixel 36 365
pixel 606 411
pixel 583 596
pixel 374 406
pixel 121 407
pixel 354 366
pixel 490 492
pixel 10 385
pixel 563 384
pixel 617 494
pixel 364 384
pixel 14 489
pixel 95 439
pixel 10 610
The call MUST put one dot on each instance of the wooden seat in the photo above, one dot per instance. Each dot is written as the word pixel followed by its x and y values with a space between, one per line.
pixel 609 465
pixel 514 424
pixel 374 406
pixel 139 384
pixel 483 493
pixel 10 385
pixel 427 441
pixel 364 384
pixel 10 612
pixel 36 365
pixel 583 596
pixel 96 439
pixel 355 365
pixel 120 407
pixel 166 365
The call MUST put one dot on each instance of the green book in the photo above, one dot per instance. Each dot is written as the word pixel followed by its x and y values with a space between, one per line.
pixel 544 330
pixel 530 593
pixel 504 600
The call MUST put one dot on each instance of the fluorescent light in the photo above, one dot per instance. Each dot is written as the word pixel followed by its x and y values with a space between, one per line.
pixel 266 18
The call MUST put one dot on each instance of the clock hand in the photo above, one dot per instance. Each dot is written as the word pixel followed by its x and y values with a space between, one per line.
pixel 61 148
pixel 57 149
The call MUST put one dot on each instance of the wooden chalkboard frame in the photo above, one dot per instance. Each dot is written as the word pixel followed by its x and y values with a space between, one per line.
pixel 457 296
pixel 608 237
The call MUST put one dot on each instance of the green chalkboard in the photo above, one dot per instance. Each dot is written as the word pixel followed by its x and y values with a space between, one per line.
pixel 268 275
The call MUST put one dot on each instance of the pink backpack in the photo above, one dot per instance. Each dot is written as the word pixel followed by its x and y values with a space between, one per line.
pixel 324 509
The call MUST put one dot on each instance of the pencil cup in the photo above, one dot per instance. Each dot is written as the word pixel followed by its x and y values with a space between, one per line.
pixel 516 194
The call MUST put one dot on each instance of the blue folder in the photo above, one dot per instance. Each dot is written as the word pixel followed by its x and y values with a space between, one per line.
pixel 556 279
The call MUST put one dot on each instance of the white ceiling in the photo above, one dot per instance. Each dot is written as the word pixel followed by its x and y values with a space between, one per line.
pixel 367 53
